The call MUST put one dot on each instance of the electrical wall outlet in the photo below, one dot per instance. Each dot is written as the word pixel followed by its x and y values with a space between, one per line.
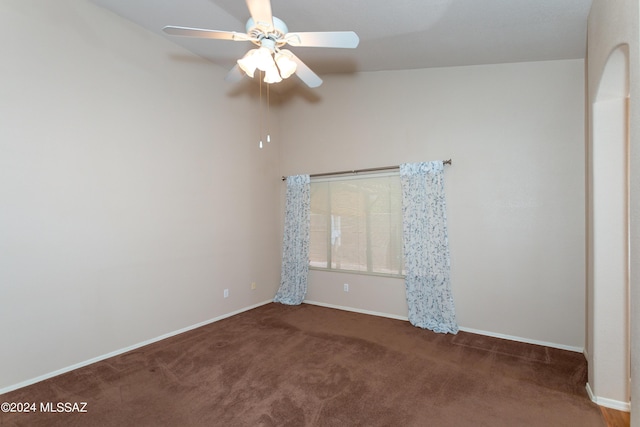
pixel 346 287
pixel 253 285
pixel 226 293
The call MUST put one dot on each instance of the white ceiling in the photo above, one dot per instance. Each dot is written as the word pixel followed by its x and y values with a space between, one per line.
pixel 394 34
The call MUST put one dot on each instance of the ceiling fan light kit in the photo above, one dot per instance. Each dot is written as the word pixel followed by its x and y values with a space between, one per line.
pixel 286 65
pixel 270 34
pixel 263 59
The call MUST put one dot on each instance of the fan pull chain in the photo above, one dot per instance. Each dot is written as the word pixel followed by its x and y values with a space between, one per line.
pixel 268 110
pixel 260 112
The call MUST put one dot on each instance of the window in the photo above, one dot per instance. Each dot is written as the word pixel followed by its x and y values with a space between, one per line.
pixel 356 224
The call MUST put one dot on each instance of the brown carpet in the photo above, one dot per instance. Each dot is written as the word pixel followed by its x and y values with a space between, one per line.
pixel 312 366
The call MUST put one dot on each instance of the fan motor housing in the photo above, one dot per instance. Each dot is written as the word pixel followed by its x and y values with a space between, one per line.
pixel 260 32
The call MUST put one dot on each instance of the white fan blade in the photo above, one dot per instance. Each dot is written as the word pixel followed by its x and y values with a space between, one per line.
pixel 260 11
pixel 234 75
pixel 205 34
pixel 341 39
pixel 305 74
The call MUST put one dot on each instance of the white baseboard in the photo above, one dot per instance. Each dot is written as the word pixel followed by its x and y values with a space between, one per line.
pixel 608 403
pixel 357 310
pixel 126 349
pixel 524 340
pixel 462 328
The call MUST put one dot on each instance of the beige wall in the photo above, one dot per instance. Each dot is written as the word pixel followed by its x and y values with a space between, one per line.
pixel 515 192
pixel 132 191
pixel 614 28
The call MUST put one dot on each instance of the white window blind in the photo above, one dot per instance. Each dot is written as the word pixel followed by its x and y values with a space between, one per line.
pixel 356 224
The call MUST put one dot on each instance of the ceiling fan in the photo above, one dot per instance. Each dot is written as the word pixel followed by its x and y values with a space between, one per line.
pixel 271 34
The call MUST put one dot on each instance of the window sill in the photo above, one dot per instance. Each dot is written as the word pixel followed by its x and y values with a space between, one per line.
pixel 362 273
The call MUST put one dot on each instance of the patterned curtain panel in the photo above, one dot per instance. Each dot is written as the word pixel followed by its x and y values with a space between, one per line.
pixel 426 247
pixel 295 254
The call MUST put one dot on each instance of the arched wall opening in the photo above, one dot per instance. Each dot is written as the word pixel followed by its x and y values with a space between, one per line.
pixel 608 322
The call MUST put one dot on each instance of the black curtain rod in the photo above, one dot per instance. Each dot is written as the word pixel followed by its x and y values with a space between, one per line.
pixel 384 168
